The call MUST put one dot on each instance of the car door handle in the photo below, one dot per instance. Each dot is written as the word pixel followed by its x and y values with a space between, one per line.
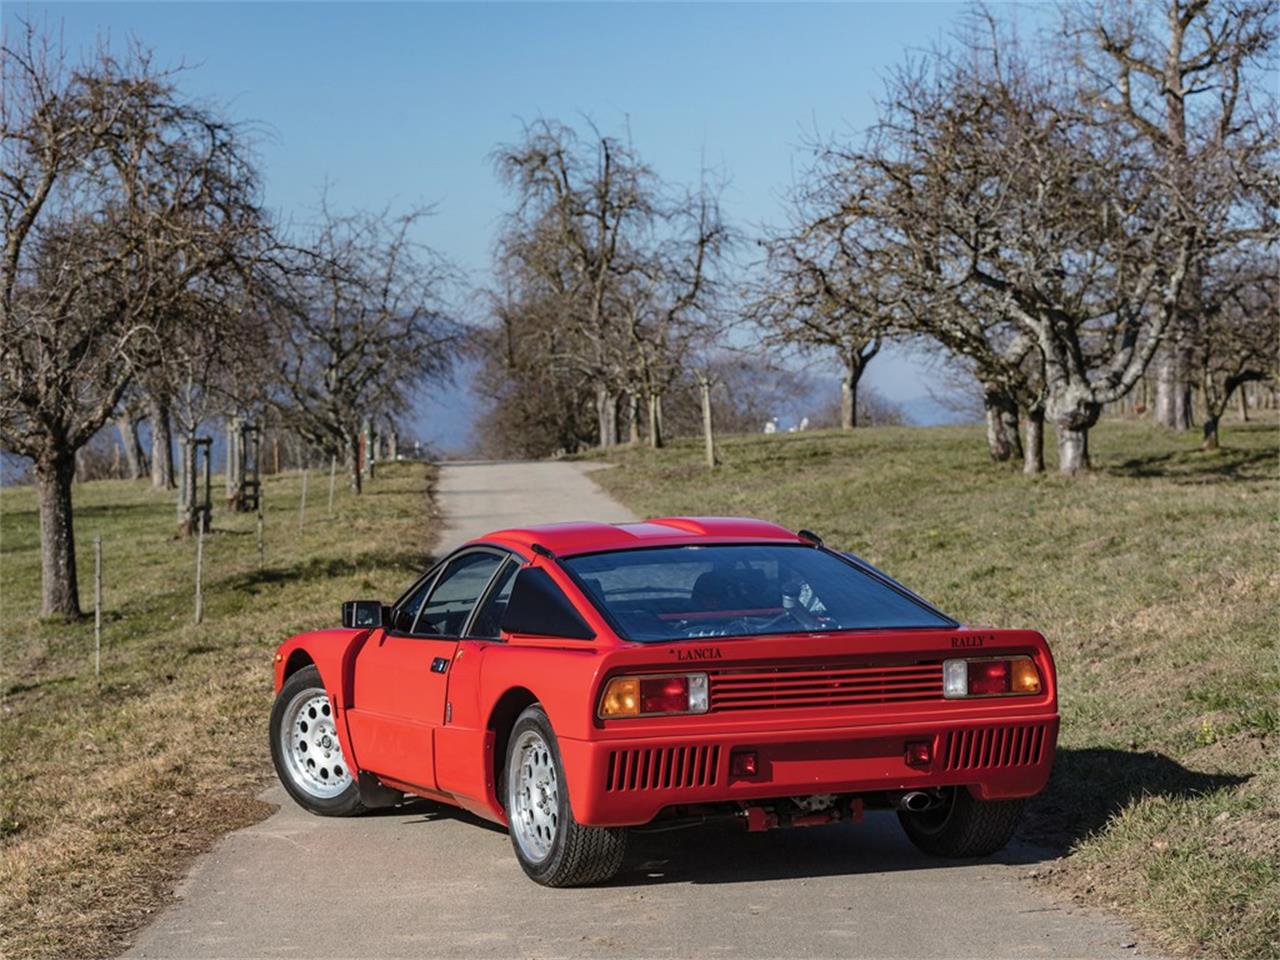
pixel 439 665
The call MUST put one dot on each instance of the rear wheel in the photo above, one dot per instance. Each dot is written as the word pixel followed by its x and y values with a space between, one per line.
pixel 963 826
pixel 553 848
pixel 305 748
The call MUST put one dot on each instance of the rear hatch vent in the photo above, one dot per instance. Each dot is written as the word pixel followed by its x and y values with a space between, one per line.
pixel 763 688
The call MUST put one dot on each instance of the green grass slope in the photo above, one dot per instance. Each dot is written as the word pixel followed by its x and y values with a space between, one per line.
pixel 1155 580
pixel 108 788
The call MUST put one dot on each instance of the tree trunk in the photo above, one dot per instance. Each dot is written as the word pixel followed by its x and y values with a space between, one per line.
pixel 370 453
pixel 187 484
pixel 353 461
pixel 633 419
pixel 59 592
pixel 1173 389
pixel 161 445
pixel 1244 403
pixel 849 400
pixel 1033 448
pixel 1073 448
pixel 606 416
pixel 1210 432
pixel 234 480
pixel 655 420
pixel 708 430
pixel 133 455
pixel 1002 425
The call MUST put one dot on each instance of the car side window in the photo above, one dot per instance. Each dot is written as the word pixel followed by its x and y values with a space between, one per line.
pixel 407 610
pixel 486 625
pixel 455 593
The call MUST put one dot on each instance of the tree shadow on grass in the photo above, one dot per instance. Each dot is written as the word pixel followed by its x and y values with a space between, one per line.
pixel 409 562
pixel 1200 467
pixel 1090 786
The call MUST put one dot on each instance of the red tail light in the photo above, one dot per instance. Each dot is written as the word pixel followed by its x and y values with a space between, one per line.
pixel 664 695
pixel 988 677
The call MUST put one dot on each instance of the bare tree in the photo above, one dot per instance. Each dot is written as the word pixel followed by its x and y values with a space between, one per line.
pixel 828 287
pixel 211 359
pixel 581 214
pixel 358 312
pixel 993 182
pixel 108 197
pixel 1178 75
pixel 608 276
pixel 669 303
pixel 1237 338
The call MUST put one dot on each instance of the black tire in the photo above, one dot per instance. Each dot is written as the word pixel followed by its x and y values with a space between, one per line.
pixel 963 826
pixel 577 855
pixel 344 804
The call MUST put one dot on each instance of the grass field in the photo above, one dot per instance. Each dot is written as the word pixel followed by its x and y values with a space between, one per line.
pixel 1155 580
pixel 108 789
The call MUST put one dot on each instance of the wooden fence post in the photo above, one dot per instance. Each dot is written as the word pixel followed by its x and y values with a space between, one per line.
pixel 199 572
pixel 333 476
pixel 262 546
pixel 97 607
pixel 302 504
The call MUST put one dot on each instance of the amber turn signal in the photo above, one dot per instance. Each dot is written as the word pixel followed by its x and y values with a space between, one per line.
pixel 1025 678
pixel 621 698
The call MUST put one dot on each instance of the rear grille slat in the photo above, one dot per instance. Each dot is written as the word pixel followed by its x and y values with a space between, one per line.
pixel 662 768
pixel 741 693
pixel 837 685
pixel 994 747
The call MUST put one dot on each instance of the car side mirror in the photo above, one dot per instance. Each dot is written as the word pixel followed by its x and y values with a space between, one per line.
pixel 362 614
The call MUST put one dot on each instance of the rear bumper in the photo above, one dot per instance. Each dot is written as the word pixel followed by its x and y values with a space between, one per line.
pixel 628 782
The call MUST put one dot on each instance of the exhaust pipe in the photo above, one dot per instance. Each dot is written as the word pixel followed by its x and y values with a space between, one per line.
pixel 916 801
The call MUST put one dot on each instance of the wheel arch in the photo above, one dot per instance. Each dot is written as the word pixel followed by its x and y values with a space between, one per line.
pixel 297 660
pixel 502 718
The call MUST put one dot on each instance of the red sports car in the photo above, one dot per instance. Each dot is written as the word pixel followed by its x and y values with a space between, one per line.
pixel 575 680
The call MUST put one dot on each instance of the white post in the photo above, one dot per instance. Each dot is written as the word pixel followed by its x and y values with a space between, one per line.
pixel 199 572
pixel 333 476
pixel 97 606
pixel 262 550
pixel 302 504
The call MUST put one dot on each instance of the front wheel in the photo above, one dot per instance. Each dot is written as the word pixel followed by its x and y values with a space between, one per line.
pixel 553 848
pixel 963 826
pixel 305 748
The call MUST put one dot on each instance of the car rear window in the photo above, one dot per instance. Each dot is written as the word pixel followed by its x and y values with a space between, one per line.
pixel 723 590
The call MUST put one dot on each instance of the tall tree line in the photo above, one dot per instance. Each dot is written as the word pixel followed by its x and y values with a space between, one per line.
pixel 607 284
pixel 142 278
pixel 1059 214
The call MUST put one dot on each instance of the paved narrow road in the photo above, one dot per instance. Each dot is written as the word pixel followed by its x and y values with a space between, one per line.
pixel 427 881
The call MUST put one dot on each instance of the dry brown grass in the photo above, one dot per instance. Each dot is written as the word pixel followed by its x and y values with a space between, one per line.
pixel 110 789
pixel 1155 580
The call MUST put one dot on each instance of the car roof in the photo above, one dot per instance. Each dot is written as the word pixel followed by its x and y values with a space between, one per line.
pixel 566 539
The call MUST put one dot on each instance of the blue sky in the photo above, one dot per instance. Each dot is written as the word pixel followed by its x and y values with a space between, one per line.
pixel 402 103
